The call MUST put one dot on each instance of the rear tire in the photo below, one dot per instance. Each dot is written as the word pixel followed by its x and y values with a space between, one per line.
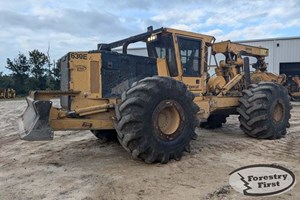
pixel 265 110
pixel 105 135
pixel 156 119
pixel 214 121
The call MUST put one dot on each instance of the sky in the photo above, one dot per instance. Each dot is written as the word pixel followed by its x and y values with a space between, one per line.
pixel 73 25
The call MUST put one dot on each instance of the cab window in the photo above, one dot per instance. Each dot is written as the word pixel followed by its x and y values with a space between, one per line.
pixel 190 56
pixel 163 47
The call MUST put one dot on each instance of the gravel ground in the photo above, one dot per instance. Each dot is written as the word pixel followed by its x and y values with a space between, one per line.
pixel 75 165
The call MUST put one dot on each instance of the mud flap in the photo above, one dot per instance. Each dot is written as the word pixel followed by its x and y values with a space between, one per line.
pixel 34 122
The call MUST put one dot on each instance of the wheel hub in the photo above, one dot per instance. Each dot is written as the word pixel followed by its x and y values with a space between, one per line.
pixel 168 119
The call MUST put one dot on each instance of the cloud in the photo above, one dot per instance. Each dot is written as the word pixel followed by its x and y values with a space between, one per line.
pixel 182 17
pixel 80 25
pixel 215 32
pixel 75 22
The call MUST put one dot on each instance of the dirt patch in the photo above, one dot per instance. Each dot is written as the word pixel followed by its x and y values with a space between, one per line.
pixel 75 165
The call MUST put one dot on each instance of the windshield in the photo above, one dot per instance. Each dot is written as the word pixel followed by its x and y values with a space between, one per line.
pixel 190 56
pixel 163 47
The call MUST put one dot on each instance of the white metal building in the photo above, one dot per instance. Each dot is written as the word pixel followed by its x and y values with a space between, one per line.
pixel 284 54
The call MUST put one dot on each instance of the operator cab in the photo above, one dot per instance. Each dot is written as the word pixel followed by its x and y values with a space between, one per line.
pixel 185 54
pixel 162 46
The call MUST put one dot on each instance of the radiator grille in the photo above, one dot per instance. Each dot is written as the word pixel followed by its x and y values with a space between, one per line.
pixel 95 77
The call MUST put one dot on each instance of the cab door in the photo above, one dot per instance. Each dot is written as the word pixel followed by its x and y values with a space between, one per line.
pixel 190 58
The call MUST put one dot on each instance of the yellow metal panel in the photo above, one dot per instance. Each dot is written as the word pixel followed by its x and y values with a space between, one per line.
pixel 81 124
pixel 223 102
pixel 79 71
pixel 162 67
pixel 85 74
pixel 177 55
pixel 193 83
pixel 205 38
pixel 209 104
pixel 228 46
pixel 204 107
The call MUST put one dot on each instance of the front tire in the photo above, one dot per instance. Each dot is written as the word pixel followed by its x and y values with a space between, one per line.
pixel 265 110
pixel 156 119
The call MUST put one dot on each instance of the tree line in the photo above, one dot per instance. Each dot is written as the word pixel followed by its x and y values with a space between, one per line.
pixel 33 72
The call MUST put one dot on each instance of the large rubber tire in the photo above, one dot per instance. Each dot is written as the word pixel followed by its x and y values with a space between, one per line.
pixel 156 119
pixel 214 121
pixel 105 135
pixel 265 110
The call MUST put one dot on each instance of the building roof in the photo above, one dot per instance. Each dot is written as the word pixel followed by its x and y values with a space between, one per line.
pixel 269 39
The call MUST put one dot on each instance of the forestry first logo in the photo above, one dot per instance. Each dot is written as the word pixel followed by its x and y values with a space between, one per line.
pixel 262 180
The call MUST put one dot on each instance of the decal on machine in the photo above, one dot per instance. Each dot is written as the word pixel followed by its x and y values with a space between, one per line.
pixel 82 56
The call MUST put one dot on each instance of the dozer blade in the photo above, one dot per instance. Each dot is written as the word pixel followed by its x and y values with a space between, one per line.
pixel 34 122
